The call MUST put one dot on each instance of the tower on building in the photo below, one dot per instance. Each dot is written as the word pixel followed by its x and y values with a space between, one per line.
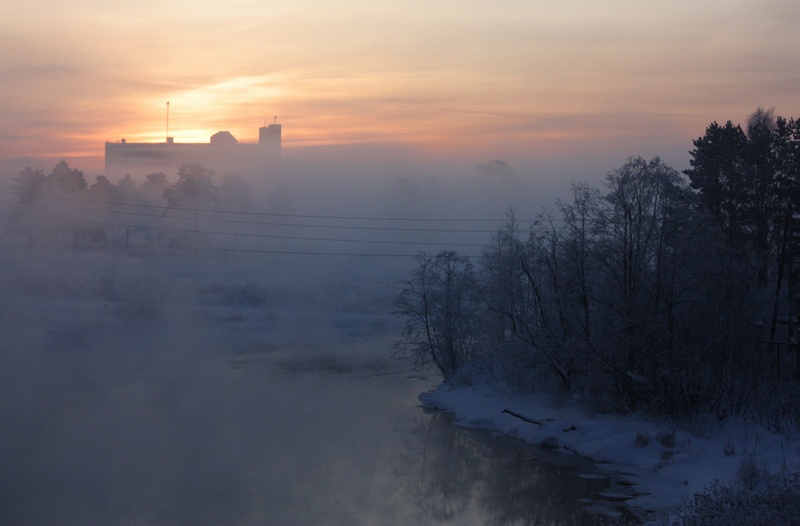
pixel 270 136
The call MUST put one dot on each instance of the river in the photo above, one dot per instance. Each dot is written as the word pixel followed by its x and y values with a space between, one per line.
pixel 130 401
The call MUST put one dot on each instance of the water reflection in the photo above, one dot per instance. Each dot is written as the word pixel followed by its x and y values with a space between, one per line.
pixel 171 435
pixel 182 406
pixel 457 475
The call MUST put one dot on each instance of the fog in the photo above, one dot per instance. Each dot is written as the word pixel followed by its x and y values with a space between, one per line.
pixel 133 387
pixel 203 367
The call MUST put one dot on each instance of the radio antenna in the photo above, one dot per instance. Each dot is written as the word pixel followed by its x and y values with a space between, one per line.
pixel 167 121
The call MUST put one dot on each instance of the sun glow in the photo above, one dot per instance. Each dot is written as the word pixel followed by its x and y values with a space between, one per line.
pixel 449 75
pixel 230 95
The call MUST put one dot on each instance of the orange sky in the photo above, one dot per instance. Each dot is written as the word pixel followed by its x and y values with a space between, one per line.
pixel 468 77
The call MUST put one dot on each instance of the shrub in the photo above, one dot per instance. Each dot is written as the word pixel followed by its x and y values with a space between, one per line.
pixel 642 439
pixel 775 501
pixel 729 450
pixel 666 438
pixel 751 475
pixel 440 306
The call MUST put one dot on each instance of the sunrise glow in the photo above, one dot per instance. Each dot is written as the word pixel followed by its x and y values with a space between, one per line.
pixel 450 76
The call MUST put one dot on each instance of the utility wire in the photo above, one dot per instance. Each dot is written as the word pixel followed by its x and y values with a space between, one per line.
pixel 31 213
pixel 263 223
pixel 265 214
pixel 271 236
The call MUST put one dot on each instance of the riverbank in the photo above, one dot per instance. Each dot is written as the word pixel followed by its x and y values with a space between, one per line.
pixel 666 463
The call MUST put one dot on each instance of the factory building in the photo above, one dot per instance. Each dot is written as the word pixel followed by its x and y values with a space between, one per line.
pixel 223 154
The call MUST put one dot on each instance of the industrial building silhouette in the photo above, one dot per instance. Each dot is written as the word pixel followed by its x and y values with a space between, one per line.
pixel 223 154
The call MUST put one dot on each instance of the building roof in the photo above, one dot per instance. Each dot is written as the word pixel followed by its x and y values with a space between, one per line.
pixel 223 138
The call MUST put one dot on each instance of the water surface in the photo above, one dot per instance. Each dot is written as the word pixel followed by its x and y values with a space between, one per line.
pixel 148 393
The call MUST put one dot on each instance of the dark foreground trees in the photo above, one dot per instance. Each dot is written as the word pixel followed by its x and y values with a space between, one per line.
pixel 632 296
pixel 747 177
pixel 755 498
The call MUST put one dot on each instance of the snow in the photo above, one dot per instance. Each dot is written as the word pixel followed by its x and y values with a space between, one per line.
pixel 666 472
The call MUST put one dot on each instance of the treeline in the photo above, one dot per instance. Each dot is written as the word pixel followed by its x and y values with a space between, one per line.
pixel 652 293
pixel 55 204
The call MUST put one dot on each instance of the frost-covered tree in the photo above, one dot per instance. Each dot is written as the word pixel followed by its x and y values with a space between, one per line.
pixel 503 282
pixel 578 238
pixel 787 159
pixel 513 324
pixel 440 307
pixel 633 295
pixel 640 271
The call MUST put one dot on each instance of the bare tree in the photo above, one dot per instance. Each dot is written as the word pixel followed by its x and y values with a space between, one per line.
pixel 578 239
pixel 517 287
pixel 440 308
pixel 503 286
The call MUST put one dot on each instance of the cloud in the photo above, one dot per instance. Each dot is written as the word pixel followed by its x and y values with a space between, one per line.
pixel 445 74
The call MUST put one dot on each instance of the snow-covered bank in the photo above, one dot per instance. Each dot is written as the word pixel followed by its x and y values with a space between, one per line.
pixel 667 464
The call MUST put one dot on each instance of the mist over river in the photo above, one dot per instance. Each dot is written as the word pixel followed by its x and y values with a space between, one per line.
pixel 146 387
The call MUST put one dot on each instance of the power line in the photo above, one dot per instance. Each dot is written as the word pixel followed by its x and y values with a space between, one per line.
pixel 169 229
pixel 259 223
pixel 302 253
pixel 269 214
pixel 273 236
pixel 263 223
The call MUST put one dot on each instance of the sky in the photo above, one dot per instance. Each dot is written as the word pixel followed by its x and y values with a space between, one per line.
pixel 512 79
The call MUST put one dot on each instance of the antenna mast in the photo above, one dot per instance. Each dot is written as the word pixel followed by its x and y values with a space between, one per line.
pixel 167 121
